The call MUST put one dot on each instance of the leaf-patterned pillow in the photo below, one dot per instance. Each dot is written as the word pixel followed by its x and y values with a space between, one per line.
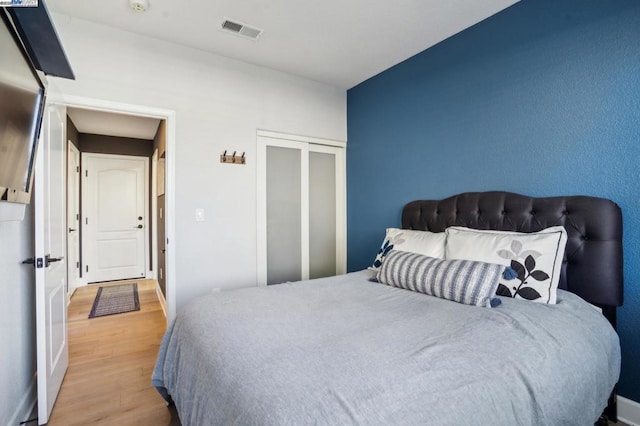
pixel 534 259
pixel 422 242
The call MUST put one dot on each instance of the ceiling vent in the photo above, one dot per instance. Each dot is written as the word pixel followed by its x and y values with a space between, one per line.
pixel 238 28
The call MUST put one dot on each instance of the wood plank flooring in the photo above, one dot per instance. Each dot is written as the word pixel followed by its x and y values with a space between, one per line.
pixel 111 359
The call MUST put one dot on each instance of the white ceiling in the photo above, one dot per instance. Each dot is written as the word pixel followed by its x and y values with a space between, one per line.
pixel 112 124
pixel 338 42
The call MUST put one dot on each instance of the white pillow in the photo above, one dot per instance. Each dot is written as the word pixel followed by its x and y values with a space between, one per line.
pixel 422 242
pixel 535 258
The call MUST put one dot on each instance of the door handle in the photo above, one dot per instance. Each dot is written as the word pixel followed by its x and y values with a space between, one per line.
pixel 48 259
pixel 35 261
pixel 71 230
pixel 139 226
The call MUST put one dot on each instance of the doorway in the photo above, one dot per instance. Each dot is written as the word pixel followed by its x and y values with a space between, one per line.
pixel 167 118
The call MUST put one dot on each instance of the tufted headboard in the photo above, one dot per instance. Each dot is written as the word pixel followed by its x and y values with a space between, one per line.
pixel 592 266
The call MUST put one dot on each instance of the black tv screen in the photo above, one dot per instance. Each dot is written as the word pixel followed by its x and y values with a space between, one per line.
pixel 22 94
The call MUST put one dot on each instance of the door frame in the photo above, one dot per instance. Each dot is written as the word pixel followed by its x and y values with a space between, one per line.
pixel 266 138
pixel 154 210
pixel 170 212
pixel 84 244
pixel 76 190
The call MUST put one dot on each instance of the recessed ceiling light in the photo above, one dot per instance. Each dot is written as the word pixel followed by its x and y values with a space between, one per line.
pixel 139 5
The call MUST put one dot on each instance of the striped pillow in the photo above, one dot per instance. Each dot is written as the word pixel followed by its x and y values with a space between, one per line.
pixel 462 281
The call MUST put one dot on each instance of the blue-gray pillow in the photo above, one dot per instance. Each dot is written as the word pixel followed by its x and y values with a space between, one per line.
pixel 462 281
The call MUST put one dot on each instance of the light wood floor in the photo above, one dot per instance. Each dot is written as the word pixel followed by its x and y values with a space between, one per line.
pixel 110 364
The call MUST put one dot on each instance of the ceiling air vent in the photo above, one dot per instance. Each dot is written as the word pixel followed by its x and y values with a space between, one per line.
pixel 238 28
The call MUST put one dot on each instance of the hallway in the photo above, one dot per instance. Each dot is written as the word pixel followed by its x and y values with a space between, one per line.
pixel 111 359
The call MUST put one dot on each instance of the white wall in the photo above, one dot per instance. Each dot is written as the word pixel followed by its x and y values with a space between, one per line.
pixel 219 104
pixel 17 321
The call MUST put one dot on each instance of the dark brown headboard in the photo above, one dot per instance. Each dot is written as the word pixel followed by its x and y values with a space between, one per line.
pixel 592 266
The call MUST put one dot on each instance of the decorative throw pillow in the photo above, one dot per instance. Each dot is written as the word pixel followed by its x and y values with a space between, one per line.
pixel 535 259
pixel 422 242
pixel 462 281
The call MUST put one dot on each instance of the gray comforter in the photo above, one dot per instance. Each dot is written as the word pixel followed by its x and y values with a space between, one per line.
pixel 345 350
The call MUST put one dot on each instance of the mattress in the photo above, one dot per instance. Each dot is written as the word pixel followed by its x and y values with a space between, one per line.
pixel 345 350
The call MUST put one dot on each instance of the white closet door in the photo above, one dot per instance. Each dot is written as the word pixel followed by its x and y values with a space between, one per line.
pixel 284 214
pixel 323 211
pixel 301 208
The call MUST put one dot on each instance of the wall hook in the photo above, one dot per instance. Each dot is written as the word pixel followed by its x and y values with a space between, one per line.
pixel 232 158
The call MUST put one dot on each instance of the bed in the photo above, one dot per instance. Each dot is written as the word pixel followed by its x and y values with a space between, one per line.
pixel 347 350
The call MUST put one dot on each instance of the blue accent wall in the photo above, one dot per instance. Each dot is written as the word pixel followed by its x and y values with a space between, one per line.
pixel 541 99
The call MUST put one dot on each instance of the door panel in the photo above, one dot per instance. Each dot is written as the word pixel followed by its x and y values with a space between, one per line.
pixel 50 248
pixel 284 204
pixel 322 214
pixel 118 203
pixel 115 206
pixel 117 253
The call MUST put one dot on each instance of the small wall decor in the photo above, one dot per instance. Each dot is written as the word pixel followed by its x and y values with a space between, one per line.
pixel 233 158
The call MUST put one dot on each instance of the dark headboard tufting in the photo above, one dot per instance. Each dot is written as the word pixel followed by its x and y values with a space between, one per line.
pixel 592 266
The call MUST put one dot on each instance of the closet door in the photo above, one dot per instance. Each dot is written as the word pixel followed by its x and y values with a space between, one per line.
pixel 323 207
pixel 301 208
pixel 284 214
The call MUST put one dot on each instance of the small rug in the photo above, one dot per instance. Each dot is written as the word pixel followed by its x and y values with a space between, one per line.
pixel 116 299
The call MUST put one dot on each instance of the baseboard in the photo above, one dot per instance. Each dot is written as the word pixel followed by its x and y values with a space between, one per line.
pixel 161 299
pixel 628 411
pixel 27 404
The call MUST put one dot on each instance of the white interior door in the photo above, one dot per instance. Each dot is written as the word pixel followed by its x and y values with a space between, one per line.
pixel 50 248
pixel 73 218
pixel 115 205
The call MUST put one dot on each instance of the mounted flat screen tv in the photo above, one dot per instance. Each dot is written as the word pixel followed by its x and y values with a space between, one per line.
pixel 22 97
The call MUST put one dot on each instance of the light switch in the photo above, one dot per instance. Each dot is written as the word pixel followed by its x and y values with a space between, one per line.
pixel 199 215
